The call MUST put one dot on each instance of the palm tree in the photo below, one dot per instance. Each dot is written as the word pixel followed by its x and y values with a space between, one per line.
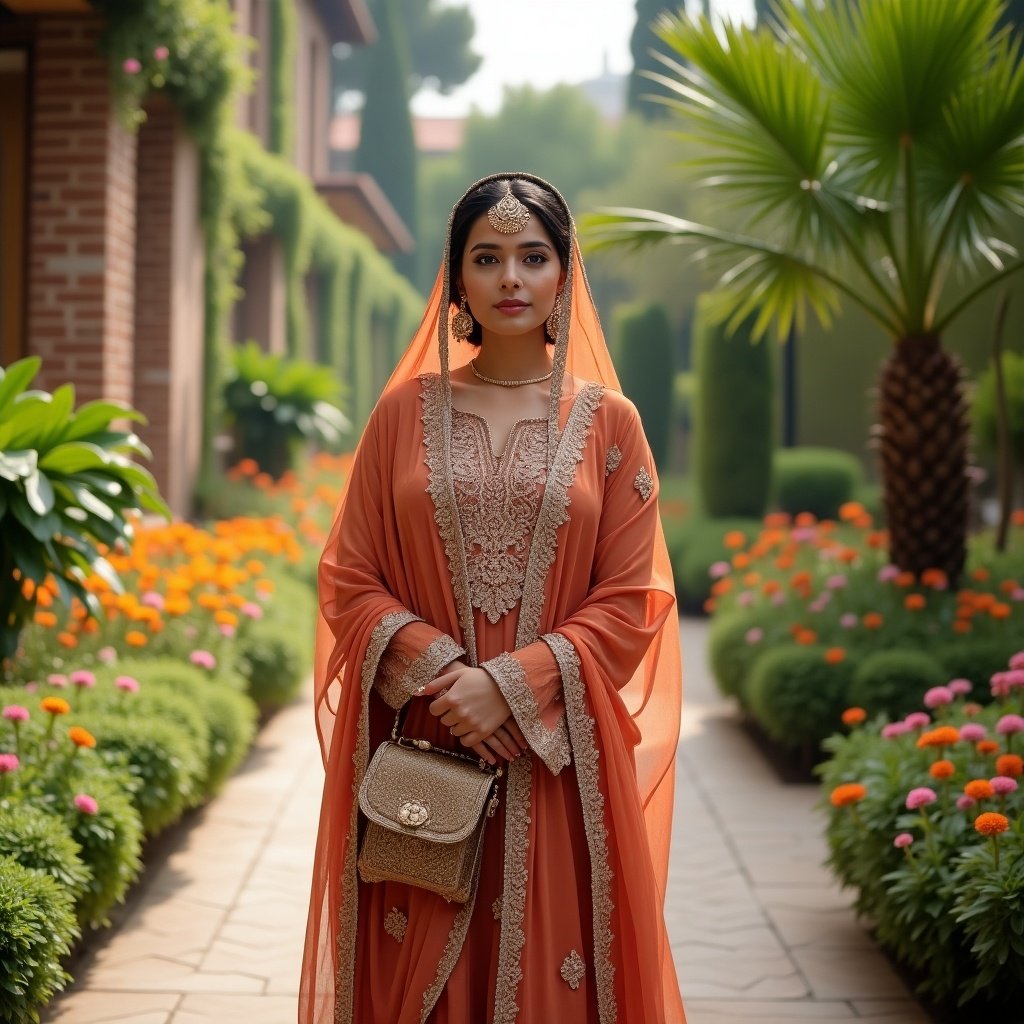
pixel 871 148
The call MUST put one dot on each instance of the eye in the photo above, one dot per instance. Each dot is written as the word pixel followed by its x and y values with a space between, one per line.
pixel 484 256
pixel 536 258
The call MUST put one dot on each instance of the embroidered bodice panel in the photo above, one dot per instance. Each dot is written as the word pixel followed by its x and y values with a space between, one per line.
pixel 498 498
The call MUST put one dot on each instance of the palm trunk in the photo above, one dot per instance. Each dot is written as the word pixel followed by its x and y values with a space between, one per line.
pixel 922 442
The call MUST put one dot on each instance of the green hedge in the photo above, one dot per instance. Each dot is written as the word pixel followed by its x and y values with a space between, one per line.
pixel 815 480
pixel 698 544
pixel 893 682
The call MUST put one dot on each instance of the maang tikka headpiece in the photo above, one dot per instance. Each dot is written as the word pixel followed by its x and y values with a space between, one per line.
pixel 508 215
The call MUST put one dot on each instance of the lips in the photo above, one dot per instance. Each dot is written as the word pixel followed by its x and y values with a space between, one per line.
pixel 511 304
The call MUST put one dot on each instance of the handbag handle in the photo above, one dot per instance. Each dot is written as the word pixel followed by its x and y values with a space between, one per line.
pixel 425 745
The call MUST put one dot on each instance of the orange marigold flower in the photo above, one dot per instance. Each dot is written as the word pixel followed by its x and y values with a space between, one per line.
pixel 44 598
pixel 906 579
pixel 980 575
pixel 873 620
pixel 986 746
pixel 1010 764
pixel 805 519
pixel 45 619
pixel 914 602
pixel 942 769
pixel 81 737
pixel 942 736
pixel 55 705
pixel 735 539
pixel 934 578
pixel 741 560
pixel 771 586
pixel 877 540
pixel 991 824
pixel 961 626
pixel 1018 517
pixel 834 655
pixel 134 638
pixel 1008 586
pixel 979 789
pixel 806 637
pixel 68 640
pixel 776 520
pixel 854 716
pixel 1000 610
pixel 248 467
pixel 848 793
pixel 720 587
pixel 851 510
pixel 224 618
pixel 800 579
pixel 28 588
pixel 709 605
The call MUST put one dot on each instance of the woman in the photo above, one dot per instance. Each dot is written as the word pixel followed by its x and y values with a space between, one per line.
pixel 498 568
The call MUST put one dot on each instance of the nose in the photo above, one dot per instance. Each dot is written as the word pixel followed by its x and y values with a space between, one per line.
pixel 510 277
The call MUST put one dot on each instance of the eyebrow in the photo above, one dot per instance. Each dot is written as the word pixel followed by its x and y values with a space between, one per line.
pixel 522 245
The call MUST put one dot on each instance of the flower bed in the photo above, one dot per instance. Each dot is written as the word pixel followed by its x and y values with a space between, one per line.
pixel 926 824
pixel 808 618
pixel 113 726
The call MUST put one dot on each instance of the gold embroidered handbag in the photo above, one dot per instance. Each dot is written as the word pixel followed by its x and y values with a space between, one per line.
pixel 426 809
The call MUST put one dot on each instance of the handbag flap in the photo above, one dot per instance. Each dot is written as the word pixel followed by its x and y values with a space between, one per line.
pixel 430 795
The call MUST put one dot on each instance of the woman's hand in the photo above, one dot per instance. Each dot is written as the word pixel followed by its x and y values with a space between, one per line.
pixel 475 710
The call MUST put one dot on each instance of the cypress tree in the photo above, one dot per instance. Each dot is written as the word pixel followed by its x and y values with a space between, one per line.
pixel 734 423
pixel 641 43
pixel 387 148
pixel 645 363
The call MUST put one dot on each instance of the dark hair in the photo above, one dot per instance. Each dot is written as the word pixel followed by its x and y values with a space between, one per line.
pixel 537 199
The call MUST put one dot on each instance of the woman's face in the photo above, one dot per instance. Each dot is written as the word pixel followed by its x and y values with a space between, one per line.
pixel 510 281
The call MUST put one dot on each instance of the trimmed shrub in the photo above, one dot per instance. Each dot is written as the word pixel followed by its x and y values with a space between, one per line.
pixel 730 656
pixel 276 661
pixel 894 682
pixel 37 927
pixel 700 543
pixel 645 361
pixel 36 839
pixel 977 660
pixel 733 419
pixel 816 480
pixel 796 695
pixel 232 721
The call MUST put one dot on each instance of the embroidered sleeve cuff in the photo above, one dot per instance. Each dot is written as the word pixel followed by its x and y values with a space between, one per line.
pixel 551 745
pixel 400 677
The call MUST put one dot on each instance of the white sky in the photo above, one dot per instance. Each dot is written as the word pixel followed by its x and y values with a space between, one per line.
pixel 544 42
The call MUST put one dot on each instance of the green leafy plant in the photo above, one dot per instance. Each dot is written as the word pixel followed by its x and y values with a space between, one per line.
pixel 873 151
pixel 274 403
pixel 67 485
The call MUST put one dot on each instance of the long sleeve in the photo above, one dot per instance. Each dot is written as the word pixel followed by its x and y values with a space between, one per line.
pixel 416 655
pixel 621 614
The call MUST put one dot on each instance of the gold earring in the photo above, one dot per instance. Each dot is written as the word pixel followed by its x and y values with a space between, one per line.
pixel 462 322
pixel 554 321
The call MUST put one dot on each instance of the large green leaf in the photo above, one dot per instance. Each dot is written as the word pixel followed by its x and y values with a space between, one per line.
pixel 97 415
pixel 38 493
pixel 28 420
pixel 73 457
pixel 15 378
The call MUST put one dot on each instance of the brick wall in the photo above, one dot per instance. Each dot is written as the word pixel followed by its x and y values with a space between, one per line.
pixel 82 217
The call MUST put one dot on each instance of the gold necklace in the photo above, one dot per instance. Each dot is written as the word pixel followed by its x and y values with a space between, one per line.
pixel 509 383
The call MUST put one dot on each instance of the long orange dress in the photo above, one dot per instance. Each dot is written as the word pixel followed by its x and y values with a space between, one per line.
pixel 546 567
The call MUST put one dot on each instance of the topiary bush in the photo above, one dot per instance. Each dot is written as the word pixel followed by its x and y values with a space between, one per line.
pixel 796 695
pixel 976 659
pixel 730 654
pixel 699 544
pixel 893 682
pixel 733 417
pixel 232 720
pixel 37 927
pixel 645 361
pixel 40 840
pixel 815 480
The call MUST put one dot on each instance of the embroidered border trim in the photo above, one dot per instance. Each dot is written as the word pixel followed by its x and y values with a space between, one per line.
pixel 513 897
pixel 442 493
pixel 388 625
pixel 551 745
pixel 452 949
pixel 396 688
pixel 553 510
pixel 581 731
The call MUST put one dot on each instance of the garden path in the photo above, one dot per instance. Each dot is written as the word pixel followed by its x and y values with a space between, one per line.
pixel 759 931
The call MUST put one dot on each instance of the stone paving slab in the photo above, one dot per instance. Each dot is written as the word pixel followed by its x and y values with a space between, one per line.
pixel 759 931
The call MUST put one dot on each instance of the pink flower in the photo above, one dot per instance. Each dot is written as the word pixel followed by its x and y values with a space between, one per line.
pixel 31 687
pixel 972 732
pixel 58 680
pixel 836 582
pixel 719 569
pixel 1015 677
pixel 755 635
pixel 894 729
pixel 888 573
pixel 204 659
pixel 16 713
pixel 802 534
pixel 917 719
pixel 939 696
pixel 1017 594
pixel 8 763
pixel 86 804
pixel 848 620
pixel 1000 684
pixel 820 603
pixel 226 629
pixel 252 610
pixel 965 802
pixel 127 683
pixel 960 687
pixel 1010 724
pixel 904 839
pixel 1003 785
pixel 83 678
pixel 153 600
pixel 161 53
pixel 778 598
pixel 108 655
pixel 1017 661
pixel 131 66
pixel 920 797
